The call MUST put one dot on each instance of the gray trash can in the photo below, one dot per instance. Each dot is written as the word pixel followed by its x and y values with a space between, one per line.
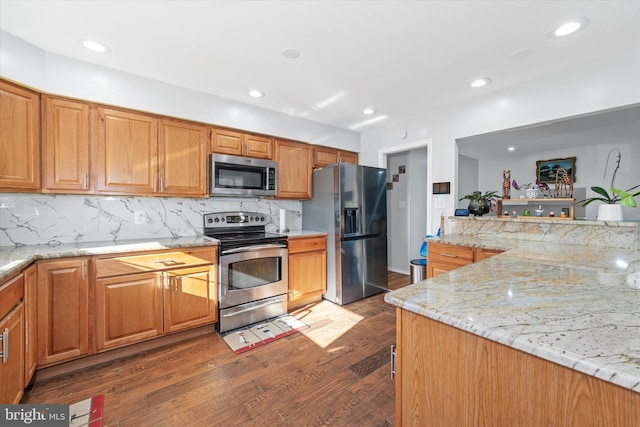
pixel 418 270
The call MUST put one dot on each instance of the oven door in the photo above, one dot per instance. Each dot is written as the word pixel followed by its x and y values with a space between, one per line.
pixel 252 273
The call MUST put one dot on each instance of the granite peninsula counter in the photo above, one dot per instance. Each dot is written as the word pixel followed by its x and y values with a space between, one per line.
pixel 562 291
pixel 568 303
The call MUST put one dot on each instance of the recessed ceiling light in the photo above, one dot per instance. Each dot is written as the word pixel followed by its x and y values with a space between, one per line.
pixel 511 148
pixel 521 53
pixel 368 111
pixel 570 27
pixel 480 82
pixel 95 46
pixel 291 53
pixel 256 93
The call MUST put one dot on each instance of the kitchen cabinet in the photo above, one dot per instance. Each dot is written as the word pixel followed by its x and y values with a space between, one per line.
pixel 307 269
pixel 63 310
pixel 142 296
pixel 127 155
pixel 444 257
pixel 19 139
pixel 295 168
pixel 183 156
pixel 452 377
pixel 226 141
pixel 12 340
pixel 66 154
pixel 30 320
pixel 323 156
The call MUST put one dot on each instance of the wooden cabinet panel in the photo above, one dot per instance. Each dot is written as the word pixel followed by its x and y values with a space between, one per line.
pixel 190 298
pixel 66 146
pixel 258 146
pixel 12 362
pixel 307 269
pixel 294 170
pixel 30 320
pixel 226 141
pixel 323 156
pixel 127 152
pixel 128 309
pixel 348 157
pixel 19 138
pixel 183 159
pixel 443 258
pixel 63 310
pixel 454 378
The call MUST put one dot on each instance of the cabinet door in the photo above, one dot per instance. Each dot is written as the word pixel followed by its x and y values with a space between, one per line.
pixel 294 170
pixel 19 139
pixel 227 142
pixel 307 275
pixel 63 310
pixel 30 319
pixel 258 146
pixel 66 146
pixel 323 156
pixel 12 362
pixel 190 298
pixel 128 309
pixel 183 159
pixel 348 157
pixel 127 153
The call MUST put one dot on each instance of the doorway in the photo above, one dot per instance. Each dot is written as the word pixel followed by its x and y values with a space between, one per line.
pixel 407 193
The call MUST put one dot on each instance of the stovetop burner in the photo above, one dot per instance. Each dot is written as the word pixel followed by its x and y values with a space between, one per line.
pixel 235 229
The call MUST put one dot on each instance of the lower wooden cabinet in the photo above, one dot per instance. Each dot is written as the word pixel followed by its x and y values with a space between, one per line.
pixel 307 269
pixel 63 310
pixel 12 340
pixel 132 307
pixel 444 257
pixel 30 322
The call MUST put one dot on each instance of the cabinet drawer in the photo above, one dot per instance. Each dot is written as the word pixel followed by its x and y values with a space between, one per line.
pixel 307 244
pixel 450 254
pixel 158 261
pixel 11 292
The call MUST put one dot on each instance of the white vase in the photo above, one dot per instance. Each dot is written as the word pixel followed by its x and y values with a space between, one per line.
pixel 607 212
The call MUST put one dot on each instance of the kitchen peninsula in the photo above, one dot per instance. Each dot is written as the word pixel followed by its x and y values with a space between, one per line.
pixel 545 333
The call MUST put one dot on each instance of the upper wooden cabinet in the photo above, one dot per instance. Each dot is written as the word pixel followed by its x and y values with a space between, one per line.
pixel 294 170
pixel 225 141
pixel 183 158
pixel 19 139
pixel 66 155
pixel 323 156
pixel 127 152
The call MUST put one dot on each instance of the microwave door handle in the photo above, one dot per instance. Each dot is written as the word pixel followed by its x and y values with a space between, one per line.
pixel 252 248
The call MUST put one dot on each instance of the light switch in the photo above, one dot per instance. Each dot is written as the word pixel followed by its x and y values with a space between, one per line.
pixel 439 202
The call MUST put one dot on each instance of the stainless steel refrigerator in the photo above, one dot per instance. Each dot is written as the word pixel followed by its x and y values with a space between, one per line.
pixel 350 204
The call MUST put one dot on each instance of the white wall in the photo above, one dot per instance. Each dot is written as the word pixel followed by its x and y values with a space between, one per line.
pixel 468 179
pixel 55 74
pixel 398 215
pixel 586 87
pixel 590 167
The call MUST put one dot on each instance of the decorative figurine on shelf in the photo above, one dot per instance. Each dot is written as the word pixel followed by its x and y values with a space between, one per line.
pixel 539 211
pixel 506 184
pixel 564 184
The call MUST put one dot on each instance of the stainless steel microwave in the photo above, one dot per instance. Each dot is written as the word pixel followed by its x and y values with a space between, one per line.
pixel 235 176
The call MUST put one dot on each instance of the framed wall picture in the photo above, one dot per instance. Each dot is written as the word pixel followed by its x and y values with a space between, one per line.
pixel 546 170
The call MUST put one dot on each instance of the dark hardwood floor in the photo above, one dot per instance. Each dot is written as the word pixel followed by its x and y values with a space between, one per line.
pixel 336 372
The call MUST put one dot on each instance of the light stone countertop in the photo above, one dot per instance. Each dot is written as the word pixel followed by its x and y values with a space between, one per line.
pixel 14 259
pixel 569 304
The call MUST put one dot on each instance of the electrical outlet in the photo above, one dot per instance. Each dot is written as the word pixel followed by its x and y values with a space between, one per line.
pixel 140 217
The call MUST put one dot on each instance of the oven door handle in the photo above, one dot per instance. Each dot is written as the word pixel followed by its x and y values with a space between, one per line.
pixel 253 248
pixel 255 307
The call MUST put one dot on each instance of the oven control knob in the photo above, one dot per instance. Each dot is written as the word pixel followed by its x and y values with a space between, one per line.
pixel 262 219
pixel 216 220
pixel 222 219
pixel 209 220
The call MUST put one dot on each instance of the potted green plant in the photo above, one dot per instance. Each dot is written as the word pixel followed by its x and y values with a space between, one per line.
pixel 480 204
pixel 611 209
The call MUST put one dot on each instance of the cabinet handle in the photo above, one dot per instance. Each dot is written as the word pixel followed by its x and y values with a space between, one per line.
pixel 162 185
pixel 85 180
pixel 5 345
pixel 450 256
pixel 83 271
pixel 393 361
pixel 155 184
pixel 167 283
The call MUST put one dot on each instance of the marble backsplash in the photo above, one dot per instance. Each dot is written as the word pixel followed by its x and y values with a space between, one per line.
pixel 37 219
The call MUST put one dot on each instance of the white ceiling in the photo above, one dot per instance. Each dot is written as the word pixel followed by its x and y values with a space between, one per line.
pixel 402 58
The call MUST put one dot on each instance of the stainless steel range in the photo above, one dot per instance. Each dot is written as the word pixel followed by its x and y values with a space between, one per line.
pixel 253 268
